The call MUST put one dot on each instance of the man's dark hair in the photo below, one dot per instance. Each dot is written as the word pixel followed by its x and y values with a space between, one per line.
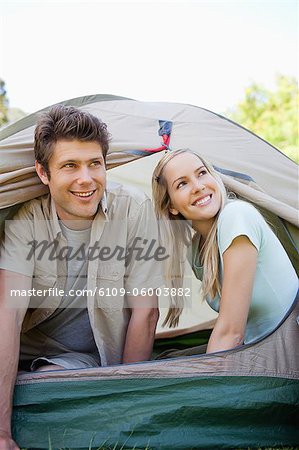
pixel 68 123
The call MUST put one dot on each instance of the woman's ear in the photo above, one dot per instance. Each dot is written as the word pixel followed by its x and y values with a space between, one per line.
pixel 40 170
pixel 173 211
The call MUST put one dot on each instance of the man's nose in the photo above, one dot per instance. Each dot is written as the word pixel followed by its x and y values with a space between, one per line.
pixel 84 176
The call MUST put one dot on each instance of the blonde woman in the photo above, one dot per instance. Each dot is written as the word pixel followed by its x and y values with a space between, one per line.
pixel 246 274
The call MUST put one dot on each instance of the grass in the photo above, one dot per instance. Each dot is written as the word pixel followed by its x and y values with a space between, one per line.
pixel 116 447
pixel 103 446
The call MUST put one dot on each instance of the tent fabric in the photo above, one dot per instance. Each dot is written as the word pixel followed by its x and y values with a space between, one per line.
pixel 158 413
pixel 275 355
pixel 205 401
pixel 134 126
pixel 243 397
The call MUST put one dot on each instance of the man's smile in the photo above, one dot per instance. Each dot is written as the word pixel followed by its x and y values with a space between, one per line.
pixel 83 194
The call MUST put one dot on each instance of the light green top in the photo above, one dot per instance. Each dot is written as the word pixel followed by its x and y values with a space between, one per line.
pixel 275 283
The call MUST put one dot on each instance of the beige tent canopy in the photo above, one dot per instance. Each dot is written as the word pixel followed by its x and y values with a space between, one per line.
pixel 249 166
pixel 134 126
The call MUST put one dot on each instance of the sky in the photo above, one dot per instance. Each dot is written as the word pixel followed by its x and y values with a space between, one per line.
pixel 200 52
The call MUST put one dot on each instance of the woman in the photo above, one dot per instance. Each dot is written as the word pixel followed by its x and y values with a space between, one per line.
pixel 246 274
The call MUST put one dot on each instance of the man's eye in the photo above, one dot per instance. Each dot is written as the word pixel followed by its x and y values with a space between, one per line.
pixel 68 165
pixel 96 163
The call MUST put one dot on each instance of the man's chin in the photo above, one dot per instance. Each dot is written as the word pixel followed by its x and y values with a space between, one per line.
pixel 84 213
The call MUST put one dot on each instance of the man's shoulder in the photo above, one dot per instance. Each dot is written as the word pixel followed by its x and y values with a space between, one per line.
pixel 120 192
pixel 36 206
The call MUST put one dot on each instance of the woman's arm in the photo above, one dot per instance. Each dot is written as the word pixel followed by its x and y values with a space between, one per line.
pixel 239 265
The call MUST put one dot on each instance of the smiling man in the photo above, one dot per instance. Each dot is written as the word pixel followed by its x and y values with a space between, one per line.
pixel 79 311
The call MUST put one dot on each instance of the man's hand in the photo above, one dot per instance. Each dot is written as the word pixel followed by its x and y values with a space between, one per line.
pixel 6 442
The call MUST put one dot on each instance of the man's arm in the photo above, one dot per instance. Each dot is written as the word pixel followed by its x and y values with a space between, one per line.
pixel 11 318
pixel 141 329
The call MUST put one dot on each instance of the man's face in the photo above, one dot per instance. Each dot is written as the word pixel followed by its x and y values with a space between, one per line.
pixel 77 179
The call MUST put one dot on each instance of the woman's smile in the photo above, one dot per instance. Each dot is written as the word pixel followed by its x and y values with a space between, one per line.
pixel 202 201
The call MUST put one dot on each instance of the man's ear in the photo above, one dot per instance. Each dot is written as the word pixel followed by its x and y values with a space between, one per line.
pixel 40 170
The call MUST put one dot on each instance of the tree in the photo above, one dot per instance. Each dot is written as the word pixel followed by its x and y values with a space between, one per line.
pixel 3 104
pixel 272 115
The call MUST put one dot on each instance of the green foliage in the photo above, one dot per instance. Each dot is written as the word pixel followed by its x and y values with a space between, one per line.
pixel 272 115
pixel 3 104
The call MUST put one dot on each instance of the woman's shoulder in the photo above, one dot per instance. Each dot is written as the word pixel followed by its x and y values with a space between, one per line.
pixel 239 208
pixel 241 218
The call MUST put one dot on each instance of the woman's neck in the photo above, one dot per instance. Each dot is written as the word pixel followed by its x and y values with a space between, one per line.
pixel 203 227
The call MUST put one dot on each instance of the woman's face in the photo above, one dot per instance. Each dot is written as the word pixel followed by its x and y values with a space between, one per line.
pixel 193 191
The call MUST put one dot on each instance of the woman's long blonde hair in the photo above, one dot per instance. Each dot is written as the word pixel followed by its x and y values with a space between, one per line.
pixel 176 236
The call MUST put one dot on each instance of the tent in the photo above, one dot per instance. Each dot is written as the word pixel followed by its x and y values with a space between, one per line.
pixel 245 397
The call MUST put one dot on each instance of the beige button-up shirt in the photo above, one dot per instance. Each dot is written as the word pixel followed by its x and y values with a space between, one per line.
pixel 121 262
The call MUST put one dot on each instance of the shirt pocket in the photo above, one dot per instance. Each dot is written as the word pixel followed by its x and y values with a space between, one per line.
pixel 43 300
pixel 43 279
pixel 110 286
pixel 43 286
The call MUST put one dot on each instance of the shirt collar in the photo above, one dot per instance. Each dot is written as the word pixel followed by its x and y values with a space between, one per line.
pixel 104 205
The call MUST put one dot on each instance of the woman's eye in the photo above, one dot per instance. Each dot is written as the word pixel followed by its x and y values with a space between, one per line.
pixel 181 184
pixel 202 172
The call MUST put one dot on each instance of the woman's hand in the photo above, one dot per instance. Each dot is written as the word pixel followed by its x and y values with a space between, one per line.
pixel 6 442
pixel 239 265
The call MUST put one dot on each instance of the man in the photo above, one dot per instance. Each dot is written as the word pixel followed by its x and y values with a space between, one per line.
pixel 76 283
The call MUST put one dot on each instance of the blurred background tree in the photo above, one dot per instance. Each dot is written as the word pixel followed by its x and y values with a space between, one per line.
pixel 8 115
pixel 272 115
pixel 3 104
